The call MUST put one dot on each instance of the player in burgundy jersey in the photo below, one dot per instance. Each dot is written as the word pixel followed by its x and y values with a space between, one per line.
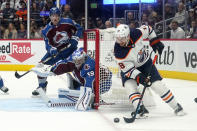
pixel 61 37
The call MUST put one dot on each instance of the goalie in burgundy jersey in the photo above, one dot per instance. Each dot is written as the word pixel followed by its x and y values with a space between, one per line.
pixel 61 39
pixel 135 63
pixel 81 84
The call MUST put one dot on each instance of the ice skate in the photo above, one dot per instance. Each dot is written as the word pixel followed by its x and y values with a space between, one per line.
pixel 179 110
pixel 142 113
pixel 43 86
pixel 4 89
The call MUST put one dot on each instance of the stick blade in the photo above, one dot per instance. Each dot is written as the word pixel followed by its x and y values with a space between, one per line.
pixel 17 75
pixel 129 120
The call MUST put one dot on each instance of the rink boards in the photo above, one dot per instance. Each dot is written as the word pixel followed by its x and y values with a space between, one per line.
pixel 179 58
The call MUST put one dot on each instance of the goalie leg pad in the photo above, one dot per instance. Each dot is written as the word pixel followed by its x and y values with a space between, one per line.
pixel 85 98
pixel 71 95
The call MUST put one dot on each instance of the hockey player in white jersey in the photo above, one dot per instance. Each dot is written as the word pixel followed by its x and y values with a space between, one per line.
pixel 135 63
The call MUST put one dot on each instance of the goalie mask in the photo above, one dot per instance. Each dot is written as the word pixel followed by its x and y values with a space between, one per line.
pixel 55 14
pixel 122 34
pixel 78 57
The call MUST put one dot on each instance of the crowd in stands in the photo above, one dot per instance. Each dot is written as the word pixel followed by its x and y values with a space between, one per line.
pixel 179 20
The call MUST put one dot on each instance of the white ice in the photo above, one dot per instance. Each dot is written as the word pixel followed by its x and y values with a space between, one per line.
pixel 20 112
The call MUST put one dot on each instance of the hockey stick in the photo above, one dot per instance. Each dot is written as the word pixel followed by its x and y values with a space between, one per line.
pixel 18 76
pixel 133 117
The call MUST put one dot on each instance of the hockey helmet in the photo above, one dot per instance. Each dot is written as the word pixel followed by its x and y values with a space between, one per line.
pixel 78 57
pixel 122 33
pixel 54 10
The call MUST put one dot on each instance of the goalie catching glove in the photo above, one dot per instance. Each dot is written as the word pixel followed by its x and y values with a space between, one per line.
pixel 141 79
pixel 157 45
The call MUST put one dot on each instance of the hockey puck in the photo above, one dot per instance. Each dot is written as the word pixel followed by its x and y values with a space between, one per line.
pixel 195 99
pixel 116 120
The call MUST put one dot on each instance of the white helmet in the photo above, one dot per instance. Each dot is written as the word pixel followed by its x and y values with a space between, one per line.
pixel 78 57
pixel 122 33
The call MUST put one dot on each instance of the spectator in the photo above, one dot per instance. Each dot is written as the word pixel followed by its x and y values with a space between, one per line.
pixel 99 23
pixel 181 15
pixel 49 4
pixel 130 17
pixel 3 6
pixel 2 30
pixel 193 30
pixel 176 31
pixel 35 32
pixel 35 12
pixel 22 32
pixel 91 24
pixel 11 32
pixel 168 13
pixel 66 13
pixel 191 17
pixel 108 24
pixel 144 19
pixel 152 17
pixel 22 12
pixel 8 14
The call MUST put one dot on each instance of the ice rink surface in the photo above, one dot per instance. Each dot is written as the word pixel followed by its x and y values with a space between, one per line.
pixel 20 112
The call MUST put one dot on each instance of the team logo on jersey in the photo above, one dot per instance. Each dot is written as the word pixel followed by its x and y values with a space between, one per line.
pixel 86 67
pixel 142 55
pixel 61 37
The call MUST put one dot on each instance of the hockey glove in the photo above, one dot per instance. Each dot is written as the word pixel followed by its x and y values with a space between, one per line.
pixel 53 51
pixel 156 44
pixel 74 40
pixel 141 79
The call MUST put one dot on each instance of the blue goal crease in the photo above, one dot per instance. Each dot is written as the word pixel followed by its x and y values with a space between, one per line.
pixel 31 104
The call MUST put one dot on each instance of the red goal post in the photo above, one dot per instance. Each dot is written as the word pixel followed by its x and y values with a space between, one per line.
pixel 93 45
pixel 95 37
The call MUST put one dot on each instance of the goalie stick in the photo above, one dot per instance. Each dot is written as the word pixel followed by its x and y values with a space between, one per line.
pixel 18 76
pixel 133 116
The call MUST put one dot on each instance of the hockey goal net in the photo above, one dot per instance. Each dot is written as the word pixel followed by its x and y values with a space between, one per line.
pixel 99 45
